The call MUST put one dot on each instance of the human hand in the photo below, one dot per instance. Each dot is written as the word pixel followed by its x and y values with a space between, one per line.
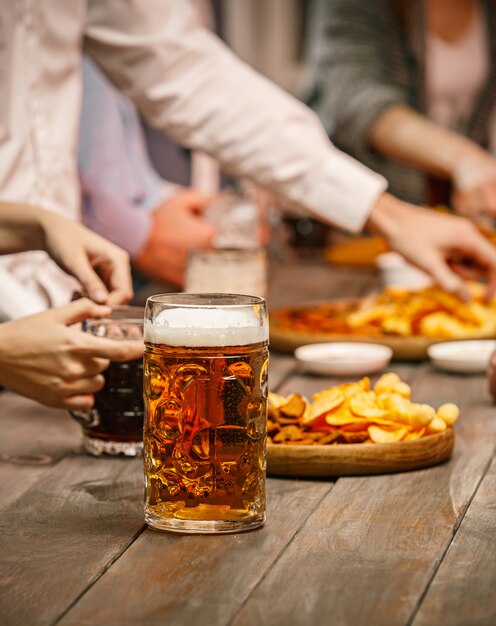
pixel 437 243
pixel 101 267
pixel 178 226
pixel 474 182
pixel 43 358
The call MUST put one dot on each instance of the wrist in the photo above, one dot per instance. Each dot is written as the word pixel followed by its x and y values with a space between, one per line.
pixel 464 156
pixel 473 167
pixel 383 218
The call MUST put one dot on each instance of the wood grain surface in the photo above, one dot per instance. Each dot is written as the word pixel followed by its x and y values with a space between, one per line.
pixel 409 548
pixel 197 579
pixel 33 439
pixel 369 551
pixel 63 532
pixel 464 588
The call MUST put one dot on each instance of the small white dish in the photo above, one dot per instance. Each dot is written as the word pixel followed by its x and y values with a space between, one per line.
pixel 343 359
pixel 465 357
pixel 397 272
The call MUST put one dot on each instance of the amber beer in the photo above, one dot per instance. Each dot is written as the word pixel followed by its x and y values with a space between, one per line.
pixel 205 381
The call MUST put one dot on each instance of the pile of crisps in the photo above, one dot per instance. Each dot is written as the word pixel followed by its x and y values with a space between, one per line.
pixel 430 313
pixel 355 413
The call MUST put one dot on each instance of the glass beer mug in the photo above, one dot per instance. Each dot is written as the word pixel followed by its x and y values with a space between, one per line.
pixel 114 426
pixel 205 382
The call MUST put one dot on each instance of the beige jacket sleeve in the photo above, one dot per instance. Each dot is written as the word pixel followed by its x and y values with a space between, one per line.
pixel 187 82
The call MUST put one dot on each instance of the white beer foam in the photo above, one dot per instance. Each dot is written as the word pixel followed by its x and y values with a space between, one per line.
pixel 206 327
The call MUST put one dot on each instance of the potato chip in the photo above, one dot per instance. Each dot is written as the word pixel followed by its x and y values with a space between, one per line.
pixel 430 312
pixel 383 435
pixel 294 406
pixel 364 404
pixel 422 413
pixel 448 413
pixel 437 425
pixel 352 413
pixel 443 325
pixel 340 419
pixel 396 325
pixel 365 315
pixel 275 401
pixel 415 434
pixel 351 389
pixel 324 402
pixel 392 383
pixel 396 404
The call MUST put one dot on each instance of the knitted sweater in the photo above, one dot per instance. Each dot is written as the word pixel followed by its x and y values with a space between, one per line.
pixel 362 62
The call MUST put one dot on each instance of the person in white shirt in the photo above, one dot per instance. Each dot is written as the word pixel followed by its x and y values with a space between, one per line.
pixel 187 83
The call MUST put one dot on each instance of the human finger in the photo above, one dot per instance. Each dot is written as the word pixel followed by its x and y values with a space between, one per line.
pixel 81 401
pixel 78 311
pixel 474 245
pixel 118 272
pixel 88 366
pixel 80 267
pixel 120 350
pixel 440 271
pixel 84 386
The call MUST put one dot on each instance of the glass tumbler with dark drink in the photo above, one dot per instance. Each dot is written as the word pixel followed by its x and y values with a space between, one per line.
pixel 205 375
pixel 114 426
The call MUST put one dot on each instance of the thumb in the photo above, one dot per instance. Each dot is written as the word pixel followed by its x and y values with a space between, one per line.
pixel 78 311
pixel 81 268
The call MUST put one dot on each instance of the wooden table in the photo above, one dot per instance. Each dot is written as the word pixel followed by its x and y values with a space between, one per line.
pixel 416 548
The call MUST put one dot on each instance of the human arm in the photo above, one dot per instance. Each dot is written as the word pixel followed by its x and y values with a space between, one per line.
pixel 402 134
pixel 187 83
pixel 101 267
pixel 44 358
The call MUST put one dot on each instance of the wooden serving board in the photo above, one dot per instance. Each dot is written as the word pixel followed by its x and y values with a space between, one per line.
pixel 359 458
pixel 413 348
pixel 404 348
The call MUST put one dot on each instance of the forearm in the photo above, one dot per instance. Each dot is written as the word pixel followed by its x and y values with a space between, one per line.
pixel 402 134
pixel 20 227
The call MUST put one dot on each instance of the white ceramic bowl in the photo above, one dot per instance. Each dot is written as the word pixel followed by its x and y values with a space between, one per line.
pixel 467 357
pixel 396 272
pixel 343 359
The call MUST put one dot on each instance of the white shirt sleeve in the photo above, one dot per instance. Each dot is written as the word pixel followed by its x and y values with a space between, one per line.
pixel 188 83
